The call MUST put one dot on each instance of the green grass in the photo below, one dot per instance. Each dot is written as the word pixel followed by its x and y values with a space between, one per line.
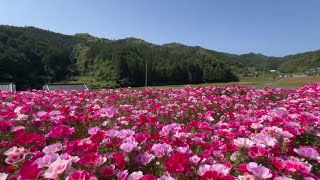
pixel 256 82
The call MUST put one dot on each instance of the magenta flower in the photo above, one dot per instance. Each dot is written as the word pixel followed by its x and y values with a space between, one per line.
pixel 59 131
pixel 256 151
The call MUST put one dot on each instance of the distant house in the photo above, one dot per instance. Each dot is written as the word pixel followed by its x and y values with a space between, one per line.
pixel 299 75
pixel 284 75
pixel 65 87
pixel 8 87
pixel 273 71
pixel 313 72
pixel 249 74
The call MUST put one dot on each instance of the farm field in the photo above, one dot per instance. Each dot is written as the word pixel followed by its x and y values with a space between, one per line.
pixel 214 132
pixel 256 82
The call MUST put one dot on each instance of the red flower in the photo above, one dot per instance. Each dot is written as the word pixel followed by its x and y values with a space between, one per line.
pixel 211 175
pixel 27 138
pixel 148 177
pixel 177 163
pixel 61 131
pixel 91 160
pixel 4 125
pixel 29 171
pixel 108 170
pixel 119 160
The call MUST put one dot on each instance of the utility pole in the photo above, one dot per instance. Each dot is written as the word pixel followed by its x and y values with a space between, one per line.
pixel 146 82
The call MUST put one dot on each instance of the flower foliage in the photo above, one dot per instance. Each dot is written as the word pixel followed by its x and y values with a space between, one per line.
pixel 231 132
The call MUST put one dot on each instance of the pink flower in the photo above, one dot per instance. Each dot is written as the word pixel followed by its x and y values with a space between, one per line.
pixel 122 175
pixel 46 160
pixel 246 177
pixel 144 158
pixel 128 146
pixel 107 112
pixel 219 168
pixel 194 159
pixel 93 130
pixel 3 176
pixel 56 168
pixel 259 171
pixel 135 175
pixel 52 148
pixel 15 154
pixel 161 149
pixel 308 152
pixel 243 142
pixel 264 140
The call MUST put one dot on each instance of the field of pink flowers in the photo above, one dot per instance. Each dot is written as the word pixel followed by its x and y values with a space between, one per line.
pixel 190 133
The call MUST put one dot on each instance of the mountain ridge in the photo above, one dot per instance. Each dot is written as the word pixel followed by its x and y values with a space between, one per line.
pixel 48 56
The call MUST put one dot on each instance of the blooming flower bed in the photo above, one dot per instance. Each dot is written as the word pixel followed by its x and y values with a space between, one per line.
pixel 191 133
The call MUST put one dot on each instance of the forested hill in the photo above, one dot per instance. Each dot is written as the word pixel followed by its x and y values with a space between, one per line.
pixel 31 57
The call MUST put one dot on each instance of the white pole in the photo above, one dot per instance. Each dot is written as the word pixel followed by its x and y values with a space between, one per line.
pixel 146 82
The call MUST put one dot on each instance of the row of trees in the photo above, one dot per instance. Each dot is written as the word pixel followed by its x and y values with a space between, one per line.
pixel 124 62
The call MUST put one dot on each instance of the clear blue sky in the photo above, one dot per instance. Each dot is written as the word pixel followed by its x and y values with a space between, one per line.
pixel 271 27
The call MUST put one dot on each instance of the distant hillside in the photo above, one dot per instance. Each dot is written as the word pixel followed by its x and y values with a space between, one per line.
pixel 300 62
pixel 31 57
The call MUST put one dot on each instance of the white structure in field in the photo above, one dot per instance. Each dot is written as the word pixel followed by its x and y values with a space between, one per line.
pixel 65 87
pixel 8 87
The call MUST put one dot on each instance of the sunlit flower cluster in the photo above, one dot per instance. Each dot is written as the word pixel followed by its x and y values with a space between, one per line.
pixel 227 133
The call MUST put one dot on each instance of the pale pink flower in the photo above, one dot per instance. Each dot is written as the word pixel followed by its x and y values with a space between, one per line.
pixel 46 160
pixel 243 142
pixel 246 177
pixel 194 159
pixel 160 150
pixel 107 112
pixel 259 171
pixel 234 156
pixel 165 177
pixel 52 148
pixel 220 168
pixel 264 140
pixel 128 146
pixel 135 175
pixel 3 176
pixel 15 154
pixel 256 125
pixel 56 168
